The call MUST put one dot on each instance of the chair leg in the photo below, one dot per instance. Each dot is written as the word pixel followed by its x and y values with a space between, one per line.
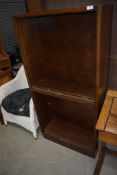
pixel 34 130
pixel 5 123
pixel 101 156
pixel 35 135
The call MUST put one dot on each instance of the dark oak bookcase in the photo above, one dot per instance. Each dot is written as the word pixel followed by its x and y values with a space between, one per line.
pixel 66 57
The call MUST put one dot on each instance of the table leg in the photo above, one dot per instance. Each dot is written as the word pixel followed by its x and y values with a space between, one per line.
pixel 101 155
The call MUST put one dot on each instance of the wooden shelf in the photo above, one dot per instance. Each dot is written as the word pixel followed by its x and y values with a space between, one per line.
pixel 71 136
pixel 4 72
pixel 65 91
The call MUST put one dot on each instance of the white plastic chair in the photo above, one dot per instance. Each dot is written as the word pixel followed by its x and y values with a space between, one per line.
pixel 19 82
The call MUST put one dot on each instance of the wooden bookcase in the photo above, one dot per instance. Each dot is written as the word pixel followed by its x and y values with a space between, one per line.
pixel 5 66
pixel 66 57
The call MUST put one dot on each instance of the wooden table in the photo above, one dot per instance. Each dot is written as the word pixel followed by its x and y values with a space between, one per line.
pixel 5 69
pixel 5 76
pixel 107 127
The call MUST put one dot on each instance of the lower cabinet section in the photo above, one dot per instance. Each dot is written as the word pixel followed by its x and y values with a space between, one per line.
pixel 68 123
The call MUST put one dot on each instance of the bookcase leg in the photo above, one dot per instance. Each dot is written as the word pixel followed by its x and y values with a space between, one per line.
pixel 101 155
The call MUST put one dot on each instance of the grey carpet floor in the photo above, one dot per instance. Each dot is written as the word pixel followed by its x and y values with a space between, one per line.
pixel 20 154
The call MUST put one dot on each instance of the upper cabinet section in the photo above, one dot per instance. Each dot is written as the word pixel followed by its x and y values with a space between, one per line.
pixel 62 49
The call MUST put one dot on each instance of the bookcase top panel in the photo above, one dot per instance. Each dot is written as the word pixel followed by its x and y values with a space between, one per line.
pixel 58 11
pixel 80 9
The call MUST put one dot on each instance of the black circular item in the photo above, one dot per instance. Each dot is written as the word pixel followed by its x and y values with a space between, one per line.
pixel 18 102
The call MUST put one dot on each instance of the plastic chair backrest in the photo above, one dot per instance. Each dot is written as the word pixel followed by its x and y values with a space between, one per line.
pixel 21 77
